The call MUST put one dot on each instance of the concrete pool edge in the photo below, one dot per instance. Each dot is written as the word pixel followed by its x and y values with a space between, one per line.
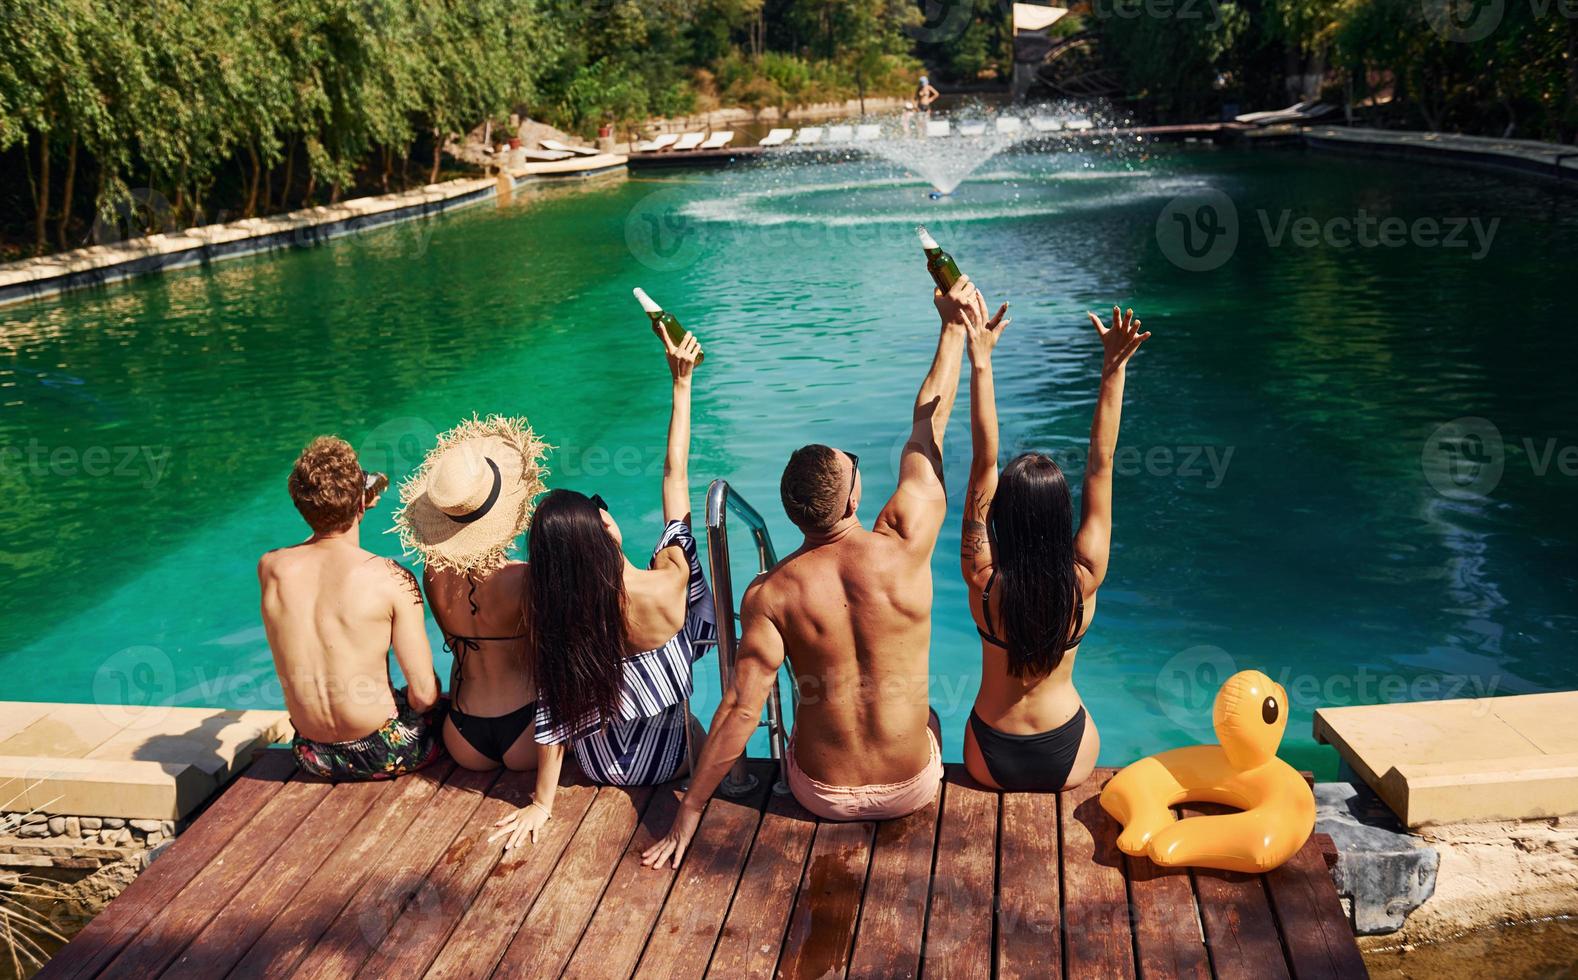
pixel 1554 162
pixel 102 265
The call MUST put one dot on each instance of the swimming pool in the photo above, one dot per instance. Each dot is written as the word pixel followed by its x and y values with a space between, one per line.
pixel 1289 498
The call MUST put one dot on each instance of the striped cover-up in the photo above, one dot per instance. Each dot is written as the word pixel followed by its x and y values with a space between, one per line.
pixel 646 743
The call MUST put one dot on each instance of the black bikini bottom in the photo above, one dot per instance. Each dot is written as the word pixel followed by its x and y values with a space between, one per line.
pixel 1030 763
pixel 492 737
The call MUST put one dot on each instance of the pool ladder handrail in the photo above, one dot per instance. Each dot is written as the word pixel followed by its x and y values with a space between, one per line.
pixel 721 499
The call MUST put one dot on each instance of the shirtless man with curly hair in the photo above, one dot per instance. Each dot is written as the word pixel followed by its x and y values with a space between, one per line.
pixel 332 611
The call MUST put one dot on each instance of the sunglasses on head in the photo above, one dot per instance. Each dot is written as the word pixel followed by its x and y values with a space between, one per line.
pixel 598 501
pixel 854 470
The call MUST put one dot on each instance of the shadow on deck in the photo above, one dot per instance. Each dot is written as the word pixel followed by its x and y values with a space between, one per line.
pixel 289 875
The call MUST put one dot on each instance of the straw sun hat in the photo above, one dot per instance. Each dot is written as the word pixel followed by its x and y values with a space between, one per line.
pixel 472 496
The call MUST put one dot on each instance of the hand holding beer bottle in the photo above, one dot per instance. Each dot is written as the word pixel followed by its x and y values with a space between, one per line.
pixel 665 325
pixel 944 271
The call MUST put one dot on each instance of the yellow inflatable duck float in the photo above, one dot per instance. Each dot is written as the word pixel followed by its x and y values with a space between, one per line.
pixel 1277 806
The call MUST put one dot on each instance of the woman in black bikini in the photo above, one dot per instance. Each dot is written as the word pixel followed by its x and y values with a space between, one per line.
pixel 464 508
pixel 1032 581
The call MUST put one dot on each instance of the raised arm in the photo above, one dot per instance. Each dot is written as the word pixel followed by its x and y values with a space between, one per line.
pixel 408 634
pixel 760 655
pixel 917 508
pixel 1119 342
pixel 975 553
pixel 682 359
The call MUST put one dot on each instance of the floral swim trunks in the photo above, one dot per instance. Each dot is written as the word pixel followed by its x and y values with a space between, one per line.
pixel 406 743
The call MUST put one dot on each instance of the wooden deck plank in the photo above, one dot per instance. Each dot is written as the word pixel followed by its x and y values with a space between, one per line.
pixel 687 929
pixel 893 913
pixel 150 892
pixel 1240 931
pixel 363 925
pixel 297 928
pixel 1097 936
pixel 753 931
pixel 290 875
pixel 614 939
pixel 545 941
pixel 1314 929
pixel 1167 935
pixel 513 883
pixel 1029 912
pixel 822 925
pixel 179 922
pixel 964 882
pixel 451 888
pixel 243 912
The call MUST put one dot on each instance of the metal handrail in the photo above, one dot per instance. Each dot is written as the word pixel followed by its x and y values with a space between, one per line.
pixel 721 499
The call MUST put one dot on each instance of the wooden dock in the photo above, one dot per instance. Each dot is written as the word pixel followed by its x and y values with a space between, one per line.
pixel 290 875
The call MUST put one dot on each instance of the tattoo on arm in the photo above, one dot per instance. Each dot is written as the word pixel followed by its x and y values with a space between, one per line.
pixel 407 580
pixel 976 543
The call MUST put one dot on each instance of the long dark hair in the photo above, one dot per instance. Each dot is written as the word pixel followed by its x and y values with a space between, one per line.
pixel 1031 527
pixel 577 599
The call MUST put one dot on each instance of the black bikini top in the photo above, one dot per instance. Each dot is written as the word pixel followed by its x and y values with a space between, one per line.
pixel 460 646
pixel 990 633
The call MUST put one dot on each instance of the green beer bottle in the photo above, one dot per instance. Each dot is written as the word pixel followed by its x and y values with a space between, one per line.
pixel 676 333
pixel 944 271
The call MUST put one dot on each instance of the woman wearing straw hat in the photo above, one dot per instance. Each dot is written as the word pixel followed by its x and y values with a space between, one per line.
pixel 615 643
pixel 465 506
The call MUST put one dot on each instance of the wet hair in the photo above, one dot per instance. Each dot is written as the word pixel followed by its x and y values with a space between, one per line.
pixel 577 601
pixel 1031 527
pixel 815 487
pixel 327 485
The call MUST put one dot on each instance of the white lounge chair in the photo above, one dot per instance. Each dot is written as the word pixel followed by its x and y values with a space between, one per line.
pixel 777 137
pixel 689 142
pixel 840 134
pixel 1009 124
pixel 658 145
pixel 545 156
pixel 1079 125
pixel 718 140
pixel 1045 124
pixel 867 132
pixel 974 127
pixel 938 127
pixel 809 136
pixel 558 147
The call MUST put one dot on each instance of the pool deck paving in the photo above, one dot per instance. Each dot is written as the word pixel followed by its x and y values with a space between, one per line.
pixel 286 874
pixel 153 762
pixel 1468 759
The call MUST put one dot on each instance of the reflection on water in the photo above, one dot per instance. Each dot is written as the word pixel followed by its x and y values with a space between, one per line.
pixel 1275 507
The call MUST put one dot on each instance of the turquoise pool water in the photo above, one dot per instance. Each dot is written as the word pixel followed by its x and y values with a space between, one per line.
pixel 1290 500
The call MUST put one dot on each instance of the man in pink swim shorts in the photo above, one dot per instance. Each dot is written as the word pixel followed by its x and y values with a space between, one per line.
pixel 851 609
